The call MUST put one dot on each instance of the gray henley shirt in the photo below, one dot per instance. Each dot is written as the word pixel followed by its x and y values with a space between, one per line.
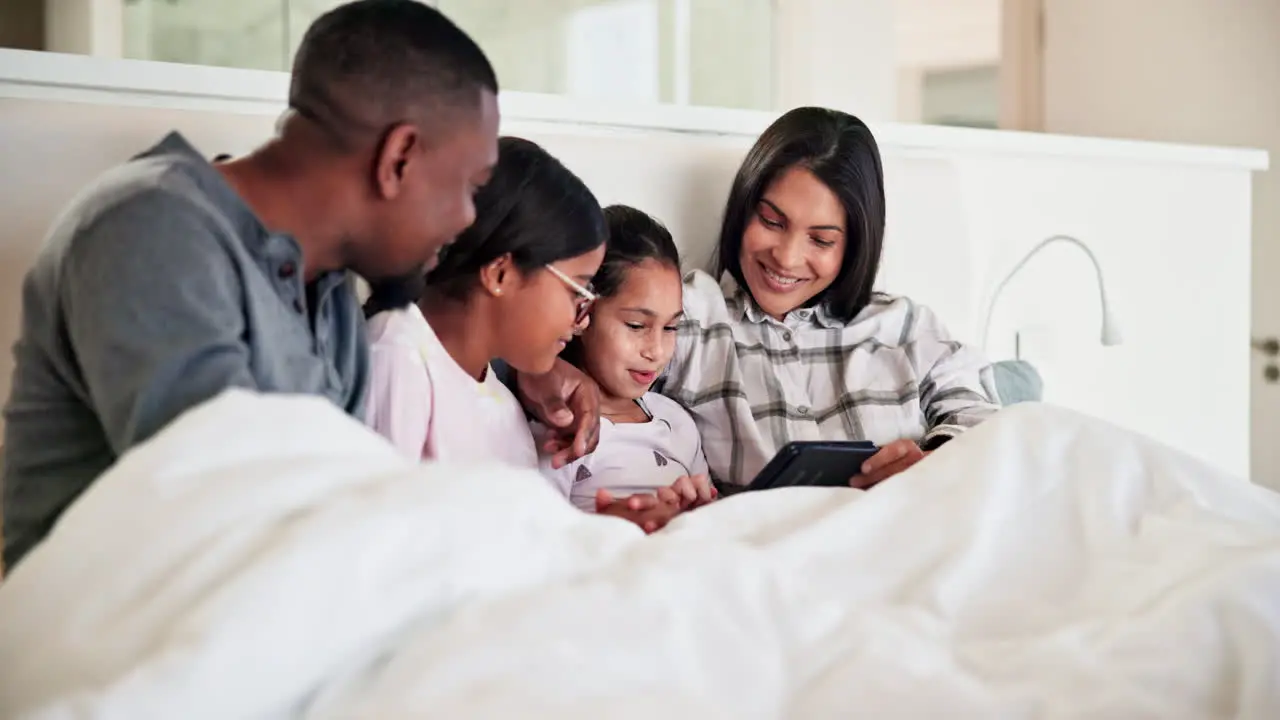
pixel 157 289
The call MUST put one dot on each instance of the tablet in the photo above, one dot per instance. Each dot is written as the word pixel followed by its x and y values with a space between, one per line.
pixel 820 464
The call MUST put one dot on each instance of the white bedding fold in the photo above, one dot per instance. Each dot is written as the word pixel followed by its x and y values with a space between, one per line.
pixel 268 557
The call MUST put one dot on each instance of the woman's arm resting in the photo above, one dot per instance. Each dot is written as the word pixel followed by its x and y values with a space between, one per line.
pixel 953 396
pixel 953 387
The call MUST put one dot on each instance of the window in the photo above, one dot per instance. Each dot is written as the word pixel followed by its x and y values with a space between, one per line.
pixel 965 97
pixel 689 52
pixel 686 52
pixel 229 33
pixel 904 60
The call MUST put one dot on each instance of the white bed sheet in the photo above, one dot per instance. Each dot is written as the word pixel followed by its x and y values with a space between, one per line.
pixel 267 557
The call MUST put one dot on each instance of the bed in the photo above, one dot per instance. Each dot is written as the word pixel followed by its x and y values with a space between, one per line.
pixel 1045 565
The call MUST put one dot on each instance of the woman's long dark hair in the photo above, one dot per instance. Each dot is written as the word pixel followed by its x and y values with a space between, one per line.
pixel 840 151
pixel 533 208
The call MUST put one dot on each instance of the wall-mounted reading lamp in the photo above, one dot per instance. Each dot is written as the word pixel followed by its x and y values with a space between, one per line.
pixel 1110 330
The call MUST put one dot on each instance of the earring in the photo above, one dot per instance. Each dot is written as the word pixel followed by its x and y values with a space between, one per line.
pixel 496 291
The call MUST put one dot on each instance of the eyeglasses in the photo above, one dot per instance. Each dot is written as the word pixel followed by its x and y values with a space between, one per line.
pixel 586 298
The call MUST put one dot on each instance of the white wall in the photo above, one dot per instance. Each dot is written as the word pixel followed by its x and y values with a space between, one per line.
pixel 937 43
pixel 963 206
pixel 1196 71
pixel 947 34
pixel 837 53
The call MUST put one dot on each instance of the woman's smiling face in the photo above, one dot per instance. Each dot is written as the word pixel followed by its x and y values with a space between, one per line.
pixel 794 243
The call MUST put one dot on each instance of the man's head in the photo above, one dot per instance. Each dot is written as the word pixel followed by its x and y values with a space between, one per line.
pixel 408 102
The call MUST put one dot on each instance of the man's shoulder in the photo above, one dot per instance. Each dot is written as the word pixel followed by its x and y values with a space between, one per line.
pixel 149 203
pixel 134 222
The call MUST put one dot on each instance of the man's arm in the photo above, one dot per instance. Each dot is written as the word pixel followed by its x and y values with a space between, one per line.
pixel 567 402
pixel 154 313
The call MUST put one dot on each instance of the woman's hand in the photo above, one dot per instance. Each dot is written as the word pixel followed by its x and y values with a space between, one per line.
pixel 887 462
pixel 694 491
pixel 650 512
pixel 568 403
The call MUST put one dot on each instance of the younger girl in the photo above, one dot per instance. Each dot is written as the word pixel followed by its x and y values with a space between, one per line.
pixel 647 442
pixel 513 286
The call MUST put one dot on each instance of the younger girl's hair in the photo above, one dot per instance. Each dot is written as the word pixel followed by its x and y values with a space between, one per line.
pixel 533 208
pixel 634 237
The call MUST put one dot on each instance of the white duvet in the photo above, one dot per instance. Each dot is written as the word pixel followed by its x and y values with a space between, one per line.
pixel 268 557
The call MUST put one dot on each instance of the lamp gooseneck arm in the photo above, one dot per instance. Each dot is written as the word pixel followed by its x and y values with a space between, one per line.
pixel 995 296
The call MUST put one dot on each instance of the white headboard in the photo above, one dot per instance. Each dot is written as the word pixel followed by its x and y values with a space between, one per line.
pixel 963 206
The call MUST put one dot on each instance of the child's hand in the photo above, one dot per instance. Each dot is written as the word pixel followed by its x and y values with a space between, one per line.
pixel 650 512
pixel 694 491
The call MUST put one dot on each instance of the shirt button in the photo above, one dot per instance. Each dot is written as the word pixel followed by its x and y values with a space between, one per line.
pixel 786 336
pixel 803 410
pixel 286 270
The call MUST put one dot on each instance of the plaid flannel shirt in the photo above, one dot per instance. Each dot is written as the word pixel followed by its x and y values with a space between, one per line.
pixel 753 383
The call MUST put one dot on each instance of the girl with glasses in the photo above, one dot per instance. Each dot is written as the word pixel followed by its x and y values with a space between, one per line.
pixel 514 286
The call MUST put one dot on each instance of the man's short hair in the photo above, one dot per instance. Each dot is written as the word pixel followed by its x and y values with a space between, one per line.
pixel 369 64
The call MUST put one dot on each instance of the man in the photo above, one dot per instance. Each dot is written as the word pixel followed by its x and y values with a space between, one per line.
pixel 170 280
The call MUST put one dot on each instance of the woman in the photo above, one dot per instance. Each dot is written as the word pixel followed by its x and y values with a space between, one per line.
pixel 793 343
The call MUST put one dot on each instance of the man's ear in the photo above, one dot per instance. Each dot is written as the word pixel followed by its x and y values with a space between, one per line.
pixel 394 157
pixel 498 276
